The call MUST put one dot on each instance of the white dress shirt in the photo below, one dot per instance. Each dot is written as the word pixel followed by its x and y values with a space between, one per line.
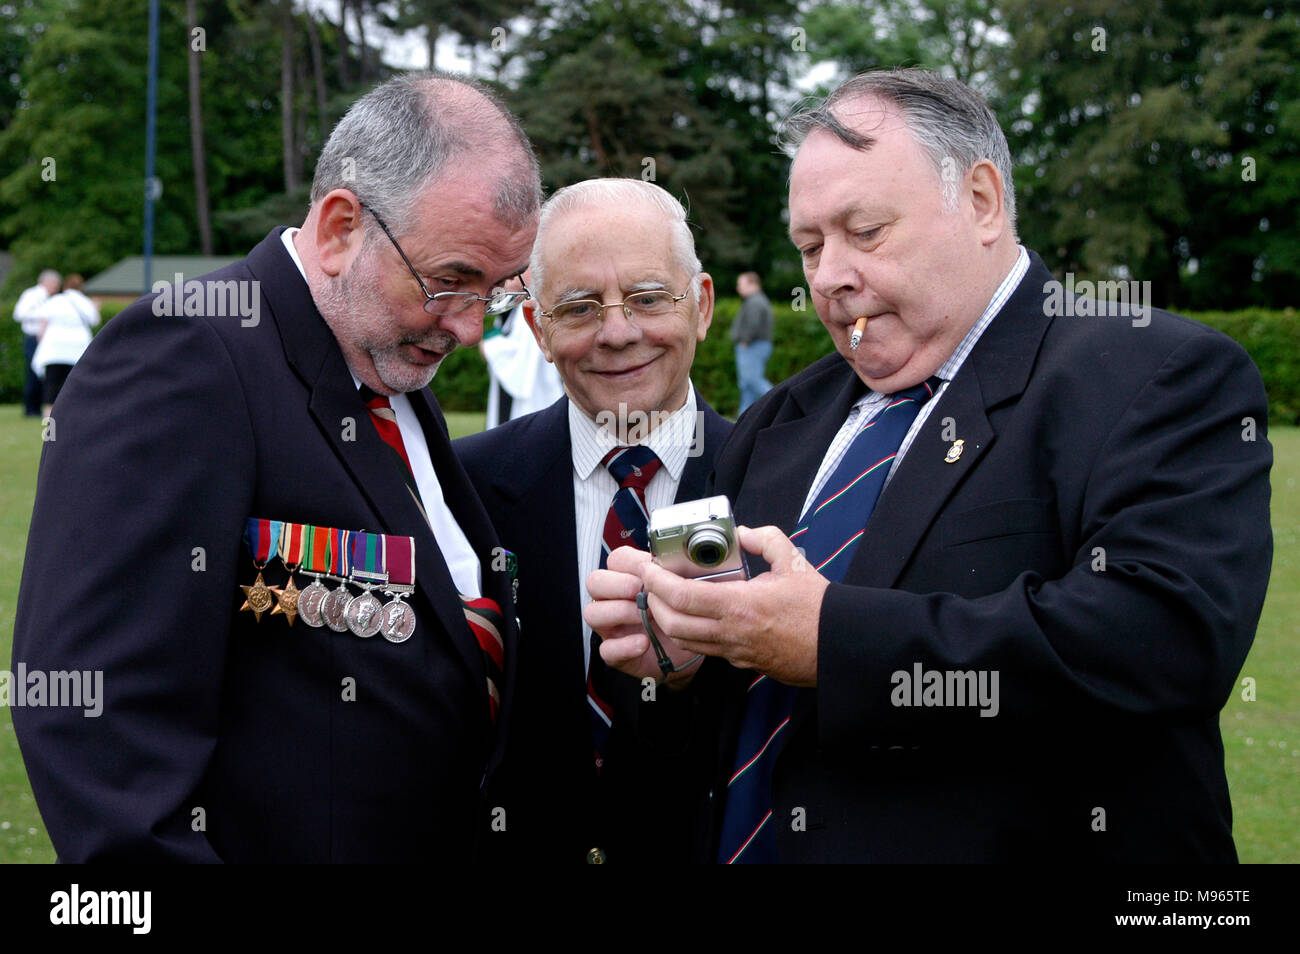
pixel 25 311
pixel 594 486
pixel 871 403
pixel 462 561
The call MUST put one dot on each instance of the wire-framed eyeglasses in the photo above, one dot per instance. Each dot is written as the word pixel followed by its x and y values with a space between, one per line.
pixel 452 303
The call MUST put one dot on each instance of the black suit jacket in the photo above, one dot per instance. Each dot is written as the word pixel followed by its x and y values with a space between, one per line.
pixel 1102 544
pixel 557 808
pixel 223 738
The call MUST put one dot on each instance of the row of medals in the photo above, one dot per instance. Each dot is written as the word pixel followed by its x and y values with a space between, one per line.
pixel 363 614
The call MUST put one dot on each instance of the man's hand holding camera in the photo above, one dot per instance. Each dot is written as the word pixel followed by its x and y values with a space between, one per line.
pixel 768 623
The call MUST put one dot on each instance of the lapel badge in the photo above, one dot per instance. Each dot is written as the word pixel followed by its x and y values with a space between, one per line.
pixel 954 452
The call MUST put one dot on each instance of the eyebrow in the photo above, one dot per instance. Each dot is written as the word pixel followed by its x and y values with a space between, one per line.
pixel 578 293
pixel 839 218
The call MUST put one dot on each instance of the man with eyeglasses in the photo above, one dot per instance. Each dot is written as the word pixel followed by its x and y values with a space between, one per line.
pixel 619 305
pixel 222 437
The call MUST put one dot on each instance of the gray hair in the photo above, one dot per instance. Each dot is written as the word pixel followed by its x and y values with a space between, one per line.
pixel 49 275
pixel 398 138
pixel 621 192
pixel 950 121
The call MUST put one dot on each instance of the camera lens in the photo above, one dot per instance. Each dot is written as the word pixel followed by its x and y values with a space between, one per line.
pixel 708 546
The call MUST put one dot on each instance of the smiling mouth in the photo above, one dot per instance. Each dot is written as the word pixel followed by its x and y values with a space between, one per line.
pixel 622 373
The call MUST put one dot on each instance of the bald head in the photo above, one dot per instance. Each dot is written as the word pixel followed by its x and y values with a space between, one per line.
pixel 634 196
pixel 399 138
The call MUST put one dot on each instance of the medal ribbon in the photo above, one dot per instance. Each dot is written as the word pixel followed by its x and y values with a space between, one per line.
pixel 319 549
pixel 262 538
pixel 338 562
pixel 400 558
pixel 368 557
pixel 292 544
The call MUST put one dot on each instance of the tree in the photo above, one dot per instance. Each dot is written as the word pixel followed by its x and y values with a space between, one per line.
pixel 1132 123
pixel 197 153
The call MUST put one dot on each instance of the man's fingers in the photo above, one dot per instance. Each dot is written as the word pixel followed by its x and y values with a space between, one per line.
pixel 612 585
pixel 692 597
pixel 627 560
pixel 609 617
pixel 628 649
pixel 774 547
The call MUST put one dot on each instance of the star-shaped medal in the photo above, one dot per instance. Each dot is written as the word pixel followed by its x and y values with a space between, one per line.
pixel 286 600
pixel 257 597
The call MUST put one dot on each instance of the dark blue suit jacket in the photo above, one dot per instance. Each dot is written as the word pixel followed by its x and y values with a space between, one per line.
pixel 223 738
pixel 1102 543
pixel 558 809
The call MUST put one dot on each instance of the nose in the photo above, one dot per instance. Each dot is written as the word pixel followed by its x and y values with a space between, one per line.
pixel 465 326
pixel 617 329
pixel 837 273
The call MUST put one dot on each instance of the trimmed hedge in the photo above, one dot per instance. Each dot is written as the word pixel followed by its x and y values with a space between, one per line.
pixel 1272 338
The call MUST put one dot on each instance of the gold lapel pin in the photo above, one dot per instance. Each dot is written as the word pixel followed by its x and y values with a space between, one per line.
pixel 954 452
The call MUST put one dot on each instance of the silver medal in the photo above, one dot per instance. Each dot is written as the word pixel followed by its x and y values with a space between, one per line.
pixel 398 621
pixel 362 615
pixel 309 603
pixel 333 607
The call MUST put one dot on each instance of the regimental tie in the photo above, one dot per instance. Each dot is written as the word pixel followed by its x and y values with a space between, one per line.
pixel 829 534
pixel 482 613
pixel 626 525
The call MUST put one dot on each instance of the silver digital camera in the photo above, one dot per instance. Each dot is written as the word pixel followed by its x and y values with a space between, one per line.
pixel 697 540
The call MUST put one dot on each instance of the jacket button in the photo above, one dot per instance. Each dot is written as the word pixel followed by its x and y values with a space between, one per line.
pixel 596 857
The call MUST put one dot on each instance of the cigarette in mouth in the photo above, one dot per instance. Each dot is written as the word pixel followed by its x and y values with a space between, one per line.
pixel 855 339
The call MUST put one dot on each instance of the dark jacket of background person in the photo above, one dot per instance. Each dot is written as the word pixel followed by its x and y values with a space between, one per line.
pixel 754 320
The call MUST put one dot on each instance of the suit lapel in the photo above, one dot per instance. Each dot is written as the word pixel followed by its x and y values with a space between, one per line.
pixel 541 498
pixel 996 371
pixel 468 512
pixel 921 485
pixel 787 454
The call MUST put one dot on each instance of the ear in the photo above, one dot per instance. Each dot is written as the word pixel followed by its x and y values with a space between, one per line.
pixel 531 316
pixel 705 303
pixel 986 201
pixel 339 232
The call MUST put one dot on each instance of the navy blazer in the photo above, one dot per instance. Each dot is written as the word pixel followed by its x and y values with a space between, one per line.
pixel 557 808
pixel 1102 543
pixel 223 738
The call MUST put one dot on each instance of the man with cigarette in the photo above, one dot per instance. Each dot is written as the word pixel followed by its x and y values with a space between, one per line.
pixel 1006 566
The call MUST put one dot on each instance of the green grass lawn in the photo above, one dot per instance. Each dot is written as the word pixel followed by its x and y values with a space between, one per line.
pixel 1261 737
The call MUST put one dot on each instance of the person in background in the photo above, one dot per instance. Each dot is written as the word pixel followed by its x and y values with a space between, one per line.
pixel 522 380
pixel 25 314
pixel 751 333
pixel 66 320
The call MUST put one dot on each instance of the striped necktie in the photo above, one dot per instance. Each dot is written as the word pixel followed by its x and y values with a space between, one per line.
pixel 482 613
pixel 828 533
pixel 626 525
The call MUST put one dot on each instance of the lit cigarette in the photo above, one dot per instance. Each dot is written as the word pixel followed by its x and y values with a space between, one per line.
pixel 855 339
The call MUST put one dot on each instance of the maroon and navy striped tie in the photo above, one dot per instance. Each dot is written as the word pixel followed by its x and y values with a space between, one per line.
pixel 828 534
pixel 626 525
